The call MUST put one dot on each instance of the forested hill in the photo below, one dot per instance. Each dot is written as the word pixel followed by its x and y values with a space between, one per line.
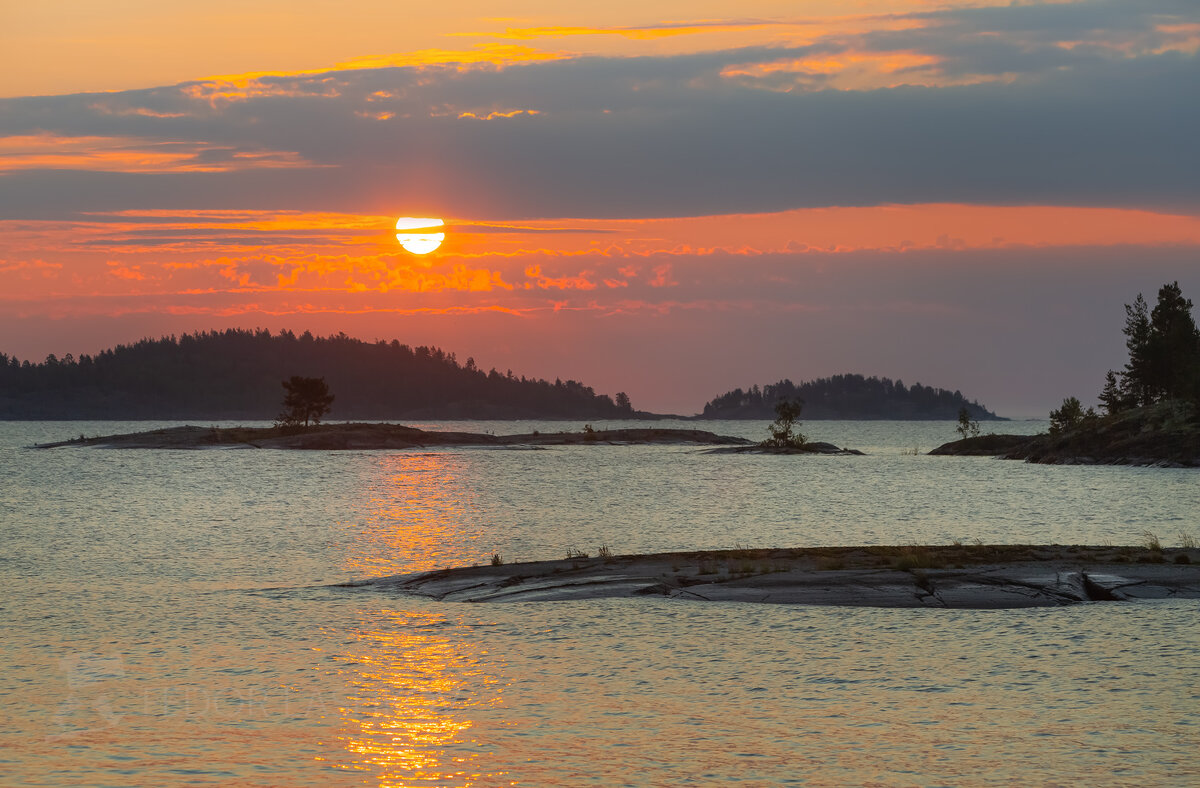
pixel 236 374
pixel 846 397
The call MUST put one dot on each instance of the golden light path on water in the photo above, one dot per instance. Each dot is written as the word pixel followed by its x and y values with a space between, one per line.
pixel 411 685
pixel 414 234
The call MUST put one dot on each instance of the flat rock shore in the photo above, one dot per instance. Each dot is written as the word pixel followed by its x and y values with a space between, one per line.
pixel 957 576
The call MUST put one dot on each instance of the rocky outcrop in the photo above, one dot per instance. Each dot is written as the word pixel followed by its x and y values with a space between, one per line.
pixel 983 446
pixel 985 577
pixel 813 447
pixel 332 437
pixel 1165 435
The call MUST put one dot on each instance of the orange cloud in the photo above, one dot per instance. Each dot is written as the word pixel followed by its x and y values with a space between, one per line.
pixel 662 277
pixel 133 155
pixel 645 32
pixel 125 272
pixel 501 114
pixel 229 88
pixel 895 228
pixel 852 70
pixel 580 282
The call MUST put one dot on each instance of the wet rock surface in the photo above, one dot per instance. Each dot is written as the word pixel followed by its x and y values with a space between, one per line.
pixel 983 577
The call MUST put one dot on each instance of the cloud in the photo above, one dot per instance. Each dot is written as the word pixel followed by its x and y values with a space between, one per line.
pixel 131 155
pixel 644 32
pixel 1073 104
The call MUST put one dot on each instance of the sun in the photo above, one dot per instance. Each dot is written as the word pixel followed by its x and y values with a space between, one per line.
pixel 415 236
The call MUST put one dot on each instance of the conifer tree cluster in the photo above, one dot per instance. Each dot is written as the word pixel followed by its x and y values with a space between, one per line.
pixel 1164 354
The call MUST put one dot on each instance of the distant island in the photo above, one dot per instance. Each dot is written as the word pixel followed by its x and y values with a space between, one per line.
pixel 236 374
pixel 848 397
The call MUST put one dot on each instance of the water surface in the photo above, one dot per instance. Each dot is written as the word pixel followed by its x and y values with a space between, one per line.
pixel 170 618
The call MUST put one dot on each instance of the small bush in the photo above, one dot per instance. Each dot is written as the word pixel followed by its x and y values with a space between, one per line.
pixel 1150 542
pixel 605 552
pixel 573 553
pixel 497 559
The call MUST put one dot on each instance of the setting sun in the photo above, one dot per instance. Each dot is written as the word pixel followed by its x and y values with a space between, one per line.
pixel 415 236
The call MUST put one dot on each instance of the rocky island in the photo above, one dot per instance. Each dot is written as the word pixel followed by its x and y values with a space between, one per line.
pixel 380 436
pixel 952 576
pixel 1163 435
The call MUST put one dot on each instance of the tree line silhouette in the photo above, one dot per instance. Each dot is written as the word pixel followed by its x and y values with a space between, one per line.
pixel 236 374
pixel 846 397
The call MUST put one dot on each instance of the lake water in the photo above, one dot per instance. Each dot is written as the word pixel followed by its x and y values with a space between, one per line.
pixel 171 617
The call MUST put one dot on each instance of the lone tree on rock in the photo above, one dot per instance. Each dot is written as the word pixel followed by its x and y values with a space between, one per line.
pixel 782 437
pixel 966 427
pixel 306 401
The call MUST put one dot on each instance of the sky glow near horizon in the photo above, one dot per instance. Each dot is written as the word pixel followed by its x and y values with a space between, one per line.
pixel 670 201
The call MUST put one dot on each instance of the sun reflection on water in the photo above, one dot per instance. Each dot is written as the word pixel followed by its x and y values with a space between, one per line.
pixel 413 687
pixel 411 694
pixel 421 516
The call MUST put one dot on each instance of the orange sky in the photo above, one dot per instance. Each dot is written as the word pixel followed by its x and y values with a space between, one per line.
pixel 68 46
pixel 227 254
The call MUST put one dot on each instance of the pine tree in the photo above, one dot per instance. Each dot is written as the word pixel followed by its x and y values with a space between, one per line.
pixel 1174 344
pixel 1137 341
pixel 1112 397
pixel 307 400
